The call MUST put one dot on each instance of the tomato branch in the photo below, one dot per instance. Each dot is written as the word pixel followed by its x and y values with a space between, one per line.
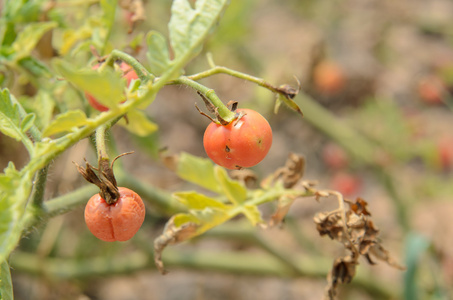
pixel 222 109
pixel 141 71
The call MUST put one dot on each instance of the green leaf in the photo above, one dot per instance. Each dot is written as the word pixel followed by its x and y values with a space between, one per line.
pixel 253 214
pixel 107 87
pixel 27 122
pixel 288 102
pixel 6 284
pixel 43 106
pixel 416 246
pixel 108 19
pixel 66 122
pixel 189 27
pixel 234 190
pixel 27 39
pixel 11 122
pixel 158 54
pixel 36 67
pixel 194 200
pixel 181 219
pixel 197 170
pixel 71 37
pixel 138 123
pixel 15 188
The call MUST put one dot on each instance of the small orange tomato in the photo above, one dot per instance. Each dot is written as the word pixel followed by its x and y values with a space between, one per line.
pixel 119 221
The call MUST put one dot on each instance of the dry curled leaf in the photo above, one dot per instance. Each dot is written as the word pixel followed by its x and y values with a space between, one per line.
pixel 290 175
pixel 246 176
pixel 171 235
pixel 360 207
pixel 343 271
pixel 292 172
pixel 356 231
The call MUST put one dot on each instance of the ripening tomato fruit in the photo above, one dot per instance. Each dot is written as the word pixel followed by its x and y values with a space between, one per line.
pixel 334 156
pixel 115 222
pixel 242 143
pixel 128 73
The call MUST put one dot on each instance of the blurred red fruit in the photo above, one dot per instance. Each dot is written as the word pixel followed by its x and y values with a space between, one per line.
pixel 345 183
pixel 445 152
pixel 334 156
pixel 431 89
pixel 329 77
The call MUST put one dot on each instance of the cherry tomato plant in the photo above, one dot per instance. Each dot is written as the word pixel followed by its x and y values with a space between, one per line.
pixel 88 84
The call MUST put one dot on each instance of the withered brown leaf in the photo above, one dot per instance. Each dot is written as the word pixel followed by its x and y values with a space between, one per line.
pixel 343 271
pixel 171 235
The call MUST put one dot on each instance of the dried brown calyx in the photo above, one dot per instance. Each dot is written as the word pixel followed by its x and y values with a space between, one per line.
pixel 102 177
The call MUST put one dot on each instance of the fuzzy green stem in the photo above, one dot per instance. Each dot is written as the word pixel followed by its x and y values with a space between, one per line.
pixel 100 142
pixel 142 73
pixel 39 188
pixel 223 111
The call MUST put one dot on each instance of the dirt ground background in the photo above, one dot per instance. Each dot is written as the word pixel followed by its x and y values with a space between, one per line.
pixel 383 49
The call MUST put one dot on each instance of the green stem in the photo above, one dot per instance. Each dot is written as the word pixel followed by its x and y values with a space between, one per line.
pixel 242 232
pixel 100 143
pixel 161 200
pixel 223 111
pixel 39 188
pixel 142 73
pixel 224 70
pixel 234 263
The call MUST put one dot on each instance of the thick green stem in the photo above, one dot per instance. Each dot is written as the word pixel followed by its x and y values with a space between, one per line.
pixel 223 111
pixel 39 188
pixel 100 143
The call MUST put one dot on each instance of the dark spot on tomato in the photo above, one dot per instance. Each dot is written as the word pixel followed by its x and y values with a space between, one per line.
pixel 227 149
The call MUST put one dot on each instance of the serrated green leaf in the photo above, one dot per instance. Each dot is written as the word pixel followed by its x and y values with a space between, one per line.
pixel 188 27
pixel 158 54
pixel 138 123
pixel 194 200
pixel 27 39
pixel 234 190
pixel 27 122
pixel 107 87
pixel 10 120
pixel 66 122
pixel 6 284
pixel 15 188
pixel 253 214
pixel 197 170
